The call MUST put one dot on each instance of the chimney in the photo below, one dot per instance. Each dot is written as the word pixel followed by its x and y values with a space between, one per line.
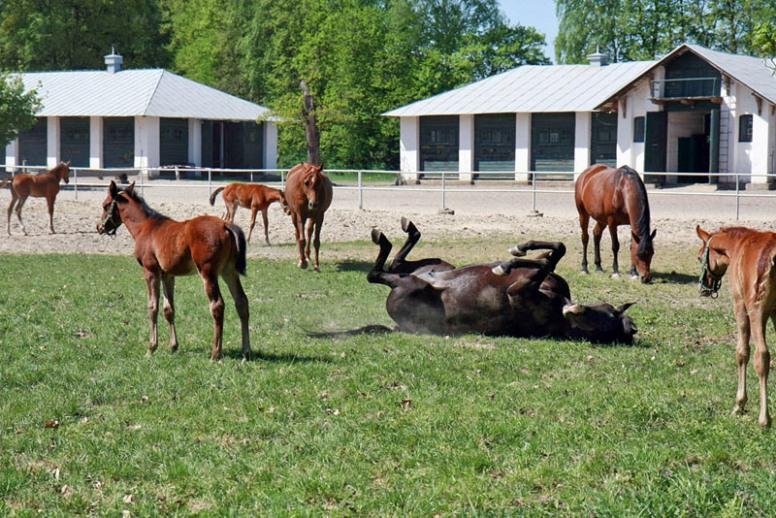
pixel 113 61
pixel 598 59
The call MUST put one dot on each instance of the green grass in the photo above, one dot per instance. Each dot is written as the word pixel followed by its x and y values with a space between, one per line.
pixel 382 425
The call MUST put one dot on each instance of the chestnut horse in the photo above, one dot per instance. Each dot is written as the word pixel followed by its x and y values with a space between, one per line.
pixel 308 195
pixel 166 248
pixel 749 256
pixel 44 185
pixel 256 197
pixel 614 197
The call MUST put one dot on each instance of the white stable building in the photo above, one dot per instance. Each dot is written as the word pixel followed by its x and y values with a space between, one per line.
pixel 695 110
pixel 141 118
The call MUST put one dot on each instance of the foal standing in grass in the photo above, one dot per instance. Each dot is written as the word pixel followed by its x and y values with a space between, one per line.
pixel 166 248
pixel 749 256
pixel 44 185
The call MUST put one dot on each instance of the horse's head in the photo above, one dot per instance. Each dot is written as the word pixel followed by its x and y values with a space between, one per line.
pixel 642 250
pixel 600 323
pixel 64 171
pixel 313 178
pixel 111 208
pixel 714 263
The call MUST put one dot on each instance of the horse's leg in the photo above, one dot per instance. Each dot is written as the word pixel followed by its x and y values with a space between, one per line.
pixel 615 249
pixel 556 248
pixel 531 282
pixel 413 236
pixel 19 205
pixel 152 282
pixel 168 287
pixel 50 203
pixel 254 209
pixel 317 239
pixel 300 242
pixel 309 230
pixel 584 221
pixel 742 354
pixel 232 280
pixel 762 363
pixel 597 231
pixel 216 310
pixel 385 245
pixel 265 220
pixel 14 199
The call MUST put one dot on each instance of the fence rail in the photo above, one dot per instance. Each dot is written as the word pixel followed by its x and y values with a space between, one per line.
pixel 372 180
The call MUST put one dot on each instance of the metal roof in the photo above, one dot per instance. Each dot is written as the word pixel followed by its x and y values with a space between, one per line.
pixel 532 89
pixel 130 93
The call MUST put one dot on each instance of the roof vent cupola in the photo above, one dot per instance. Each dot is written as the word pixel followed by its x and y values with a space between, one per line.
pixel 113 61
pixel 598 58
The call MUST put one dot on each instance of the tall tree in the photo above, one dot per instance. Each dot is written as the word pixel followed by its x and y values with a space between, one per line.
pixel 17 108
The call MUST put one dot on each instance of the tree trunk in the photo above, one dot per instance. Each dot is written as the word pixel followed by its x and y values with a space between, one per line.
pixel 310 126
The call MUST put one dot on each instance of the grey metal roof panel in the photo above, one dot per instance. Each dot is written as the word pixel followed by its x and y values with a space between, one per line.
pixel 531 88
pixel 131 93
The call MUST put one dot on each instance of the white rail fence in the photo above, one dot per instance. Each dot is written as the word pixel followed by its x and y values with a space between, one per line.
pixel 441 183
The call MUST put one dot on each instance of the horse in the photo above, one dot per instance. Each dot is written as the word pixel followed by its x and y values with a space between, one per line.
pixel 750 257
pixel 44 185
pixel 520 297
pixel 614 197
pixel 308 195
pixel 166 248
pixel 256 197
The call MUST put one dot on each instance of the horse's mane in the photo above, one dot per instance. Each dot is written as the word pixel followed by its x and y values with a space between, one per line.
pixel 643 220
pixel 54 170
pixel 151 213
pixel 737 231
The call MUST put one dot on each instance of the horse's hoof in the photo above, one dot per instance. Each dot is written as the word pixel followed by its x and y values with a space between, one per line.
pixel 517 251
pixel 615 275
pixel 737 410
pixel 585 272
pixel 173 348
pixel 376 234
pixel 499 270
pixel 634 277
pixel 765 422
pixel 246 357
pixel 316 269
pixel 405 224
pixel 302 265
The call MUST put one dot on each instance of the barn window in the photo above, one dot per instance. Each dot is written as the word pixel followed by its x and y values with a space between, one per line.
pixel 439 143
pixel 745 124
pixel 639 124
pixel 552 142
pixel 494 142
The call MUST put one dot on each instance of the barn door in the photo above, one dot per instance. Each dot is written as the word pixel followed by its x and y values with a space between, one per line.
pixel 655 142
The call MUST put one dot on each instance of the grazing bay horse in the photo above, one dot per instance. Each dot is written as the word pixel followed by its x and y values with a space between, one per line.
pixel 749 256
pixel 614 197
pixel 308 194
pixel 520 297
pixel 44 185
pixel 256 197
pixel 166 248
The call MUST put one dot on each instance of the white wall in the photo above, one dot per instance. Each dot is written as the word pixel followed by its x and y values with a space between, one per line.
pixel 11 152
pixel 95 142
pixel 637 104
pixel 465 147
pixel 195 142
pixel 270 145
pixel 146 142
pixel 52 142
pixel 750 157
pixel 582 128
pixel 522 146
pixel 409 146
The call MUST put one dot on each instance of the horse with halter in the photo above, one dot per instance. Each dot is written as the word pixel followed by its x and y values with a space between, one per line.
pixel 308 195
pixel 614 197
pixel 166 248
pixel 44 185
pixel 750 257
pixel 520 297
pixel 256 197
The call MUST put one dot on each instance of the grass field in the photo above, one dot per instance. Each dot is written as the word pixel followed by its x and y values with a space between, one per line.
pixel 370 424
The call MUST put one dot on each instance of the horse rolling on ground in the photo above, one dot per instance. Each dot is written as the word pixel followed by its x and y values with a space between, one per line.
pixel 44 185
pixel 749 256
pixel 256 197
pixel 166 248
pixel 614 197
pixel 520 297
pixel 308 195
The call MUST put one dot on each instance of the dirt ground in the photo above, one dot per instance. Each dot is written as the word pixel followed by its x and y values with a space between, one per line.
pixel 477 214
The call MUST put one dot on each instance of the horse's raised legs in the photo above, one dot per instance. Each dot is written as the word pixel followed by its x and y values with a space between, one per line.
pixel 152 278
pixel 232 280
pixel 615 249
pixel 413 236
pixel 584 221
pixel 598 230
pixel 168 287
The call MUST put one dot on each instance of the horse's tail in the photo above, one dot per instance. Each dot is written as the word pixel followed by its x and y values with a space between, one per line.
pixel 6 183
pixel 240 262
pixel 213 196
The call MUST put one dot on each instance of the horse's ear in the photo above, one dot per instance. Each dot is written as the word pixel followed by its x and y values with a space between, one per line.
pixel 702 233
pixel 635 237
pixel 653 234
pixel 130 189
pixel 622 309
pixel 67 163
pixel 112 189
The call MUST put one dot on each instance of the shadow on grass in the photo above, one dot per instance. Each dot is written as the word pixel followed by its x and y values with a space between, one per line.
pixel 351 265
pixel 372 329
pixel 675 278
pixel 259 355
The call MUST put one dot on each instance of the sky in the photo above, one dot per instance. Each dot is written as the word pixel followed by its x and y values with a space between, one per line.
pixel 535 13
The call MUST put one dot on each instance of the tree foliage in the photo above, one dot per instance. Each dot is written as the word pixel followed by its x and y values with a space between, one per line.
pixel 17 107
pixel 645 29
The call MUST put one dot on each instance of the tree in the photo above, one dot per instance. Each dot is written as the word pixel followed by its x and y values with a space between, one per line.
pixel 17 107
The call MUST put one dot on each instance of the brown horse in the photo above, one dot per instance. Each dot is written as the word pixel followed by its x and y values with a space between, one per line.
pixel 166 248
pixel 256 197
pixel 749 256
pixel 44 185
pixel 614 197
pixel 308 195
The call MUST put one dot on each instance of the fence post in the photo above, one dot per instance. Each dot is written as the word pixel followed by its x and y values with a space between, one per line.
pixel 143 172
pixel 75 183
pixel 177 173
pixel 534 212
pixel 360 191
pixel 738 198
pixel 209 181
pixel 444 193
pixel 282 180
pixel 251 175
